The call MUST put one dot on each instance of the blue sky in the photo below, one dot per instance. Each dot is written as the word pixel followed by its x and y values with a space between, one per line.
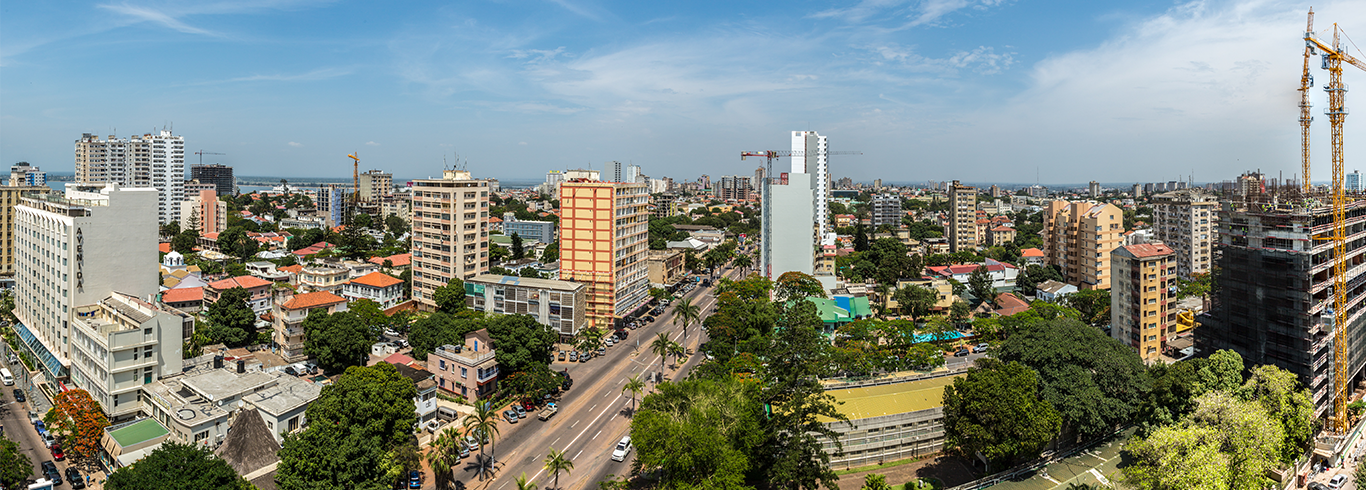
pixel 976 90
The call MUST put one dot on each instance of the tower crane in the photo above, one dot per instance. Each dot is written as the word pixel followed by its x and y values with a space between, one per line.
pixel 355 177
pixel 1332 58
pixel 201 154
pixel 1306 83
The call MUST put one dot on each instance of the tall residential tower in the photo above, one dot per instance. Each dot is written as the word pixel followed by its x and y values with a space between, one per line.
pixel 604 237
pixel 148 160
pixel 450 232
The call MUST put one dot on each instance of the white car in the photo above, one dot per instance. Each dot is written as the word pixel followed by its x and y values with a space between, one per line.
pixel 1337 482
pixel 623 448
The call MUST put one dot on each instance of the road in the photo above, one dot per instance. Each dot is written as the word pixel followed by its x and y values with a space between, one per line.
pixel 14 416
pixel 594 414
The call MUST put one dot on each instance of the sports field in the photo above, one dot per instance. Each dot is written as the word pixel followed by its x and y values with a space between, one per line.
pixel 876 401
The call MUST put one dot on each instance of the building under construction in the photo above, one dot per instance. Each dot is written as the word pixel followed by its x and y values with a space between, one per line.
pixel 1273 300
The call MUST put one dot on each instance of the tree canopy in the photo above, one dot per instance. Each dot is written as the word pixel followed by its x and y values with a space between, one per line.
pixel 995 409
pixel 177 466
pixel 338 340
pixel 229 320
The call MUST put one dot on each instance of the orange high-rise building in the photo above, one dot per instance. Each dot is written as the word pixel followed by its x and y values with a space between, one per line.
pixel 604 237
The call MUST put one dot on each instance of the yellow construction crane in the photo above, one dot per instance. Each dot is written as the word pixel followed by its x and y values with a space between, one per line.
pixel 1306 83
pixel 1333 57
pixel 355 177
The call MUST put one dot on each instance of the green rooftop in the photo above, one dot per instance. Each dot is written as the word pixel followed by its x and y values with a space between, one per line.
pixel 876 401
pixel 138 432
pixel 841 309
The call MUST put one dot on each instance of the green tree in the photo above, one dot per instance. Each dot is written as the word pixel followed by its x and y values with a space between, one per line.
pixel 520 342
pixel 229 320
pixel 1094 305
pixel 686 313
pixel 235 242
pixel 1286 401
pixel 483 423
pixel 338 340
pixel 634 385
pixel 556 462
pixel 185 242
pixel 915 301
pixel 451 297
pixel 660 346
pixel 960 312
pixel 979 284
pixel 517 251
pixel 874 481
pixel 354 428
pixel 1093 380
pixel 362 220
pixel 395 224
pixel 551 253
pixel 524 484
pixel 170 229
pixel 700 433
pixel 996 410
pixel 1029 278
pixel 444 455
pixel 177 466
pixel 14 465
pixel 860 238
pixel 1225 443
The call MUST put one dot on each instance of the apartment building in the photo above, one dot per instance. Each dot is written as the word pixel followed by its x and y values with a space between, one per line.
pixel 122 343
pixel 220 176
pixel 1274 303
pixel 323 277
pixel 886 210
pixel 1187 221
pixel 560 305
pixel 22 174
pixel 148 160
pixel 376 185
pixel 332 204
pixel 665 267
pixel 665 204
pixel 469 370
pixel 811 155
pixel 962 218
pixel 258 292
pixel 1140 315
pixel 1078 237
pixel 450 232
pixel 71 250
pixel 733 188
pixel 199 407
pixel 9 199
pixel 529 231
pixel 202 211
pixel 289 317
pixel 604 236
pixel 788 241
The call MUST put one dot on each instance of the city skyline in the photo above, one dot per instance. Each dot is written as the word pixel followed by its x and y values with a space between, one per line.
pixel 925 90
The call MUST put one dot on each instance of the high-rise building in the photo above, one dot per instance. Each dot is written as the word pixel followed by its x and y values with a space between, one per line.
pixel 1138 190
pixel 450 232
pixel 332 203
pixel 758 179
pixel 811 156
pixel 72 250
pixel 666 205
pixel 219 175
pixel 552 183
pixel 148 160
pixel 1186 220
pixel 705 181
pixel 1251 184
pixel 9 198
pixel 1353 181
pixel 604 237
pixel 22 174
pixel 376 185
pixel 962 218
pixel 1094 188
pixel 192 188
pixel 1078 237
pixel 121 343
pixel 996 191
pixel 614 170
pixel 1140 312
pixel 788 240
pixel 204 212
pixel 886 210
pixel 1274 302
pixel 733 187
pixel 633 174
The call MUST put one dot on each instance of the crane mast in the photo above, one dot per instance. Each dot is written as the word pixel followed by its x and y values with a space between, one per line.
pixel 1306 83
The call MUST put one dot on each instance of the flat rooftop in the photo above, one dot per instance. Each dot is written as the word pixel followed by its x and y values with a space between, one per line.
pixel 876 401
pixel 138 432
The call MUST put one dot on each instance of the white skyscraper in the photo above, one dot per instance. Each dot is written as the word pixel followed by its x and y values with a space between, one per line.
pixel 633 174
pixel 814 159
pixel 148 160
pixel 613 171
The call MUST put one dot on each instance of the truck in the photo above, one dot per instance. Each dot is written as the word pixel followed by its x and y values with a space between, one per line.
pixel 548 412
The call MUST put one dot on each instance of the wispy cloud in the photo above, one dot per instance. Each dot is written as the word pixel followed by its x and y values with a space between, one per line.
pixel 315 75
pixel 371 143
pixel 295 144
pixel 147 14
pixel 580 10
pixel 172 15
pixel 905 13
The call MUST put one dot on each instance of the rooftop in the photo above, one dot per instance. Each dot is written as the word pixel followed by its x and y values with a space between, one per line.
pixel 1145 250
pixel 182 295
pixel 527 282
pixel 398 260
pixel 244 282
pixel 138 432
pixel 890 399
pixel 219 384
pixel 289 394
pixel 306 301
pixel 378 280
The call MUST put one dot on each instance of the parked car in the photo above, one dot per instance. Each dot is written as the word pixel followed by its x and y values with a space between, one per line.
pixel 573 356
pixel 623 448
pixel 521 412
pixel 48 440
pixel 415 479
pixel 19 396
pixel 622 334
pixel 979 348
pixel 610 341
pixel 57 453
pixel 602 351
pixel 511 416
pixel 34 418
pixel 961 352
pixel 291 371
pixel 1313 485
pixel 583 357
pixel 561 357
pixel 529 406
pixel 50 471
pixel 74 476
pixel 390 332
pixel 1337 482
pixel 464 449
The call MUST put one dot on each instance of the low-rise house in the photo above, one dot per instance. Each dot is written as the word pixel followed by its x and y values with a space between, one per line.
pixel 1002 274
pixel 1052 291
pixel 395 262
pixel 665 267
pixel 258 292
pixel 376 286
pixel 188 300
pixel 425 382
pixel 198 408
pixel 1032 256
pixel 1008 304
pixel 266 270
pixel 323 277
pixel 289 321
pixel 468 370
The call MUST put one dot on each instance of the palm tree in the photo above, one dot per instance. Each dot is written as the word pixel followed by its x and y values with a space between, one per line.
pixel 744 261
pixel 660 346
pixel 556 462
pixel 686 313
pixel 483 423
pixel 445 454
pixel 635 386
pixel 522 484
pixel 677 351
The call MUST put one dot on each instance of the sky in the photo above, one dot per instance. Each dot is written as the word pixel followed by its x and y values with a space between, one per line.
pixel 975 90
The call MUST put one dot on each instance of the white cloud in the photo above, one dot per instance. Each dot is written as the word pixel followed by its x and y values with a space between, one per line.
pixel 296 145
pixel 171 15
pixel 371 143
pixel 903 13
pixel 521 143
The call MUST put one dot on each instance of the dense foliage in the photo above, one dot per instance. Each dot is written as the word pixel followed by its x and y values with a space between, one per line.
pixel 229 320
pixel 178 466
pixel 995 410
pixel 79 420
pixel 338 340
pixel 14 465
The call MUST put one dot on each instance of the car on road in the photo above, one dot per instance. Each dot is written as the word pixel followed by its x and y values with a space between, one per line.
pixel 50 471
pixel 48 440
pixel 623 448
pixel 414 479
pixel 602 351
pixel 961 352
pixel 979 348
pixel 583 357
pixel 19 396
pixel 511 416
pixel 610 341
pixel 464 449
pixel 1313 485
pixel 74 476
pixel 1337 482
pixel 57 453
pixel 34 418
pixel 390 332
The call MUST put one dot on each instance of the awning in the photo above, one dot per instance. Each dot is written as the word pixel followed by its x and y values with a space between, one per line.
pixel 131 457
pixel 51 364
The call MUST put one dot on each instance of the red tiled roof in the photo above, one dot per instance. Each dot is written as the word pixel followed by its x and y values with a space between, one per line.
pixel 244 282
pixel 378 280
pixel 164 247
pixel 182 295
pixel 495 219
pixel 308 301
pixel 210 236
pixel 400 359
pixel 1143 250
pixel 1002 228
pixel 312 249
pixel 398 260
pixel 1031 252
pixel 1010 304
pixel 292 269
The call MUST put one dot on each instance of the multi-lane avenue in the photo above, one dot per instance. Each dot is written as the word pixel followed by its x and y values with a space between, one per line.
pixel 594 414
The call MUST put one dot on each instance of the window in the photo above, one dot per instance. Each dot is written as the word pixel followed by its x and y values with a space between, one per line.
pixel 464 372
pixel 201 436
pixel 443 364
